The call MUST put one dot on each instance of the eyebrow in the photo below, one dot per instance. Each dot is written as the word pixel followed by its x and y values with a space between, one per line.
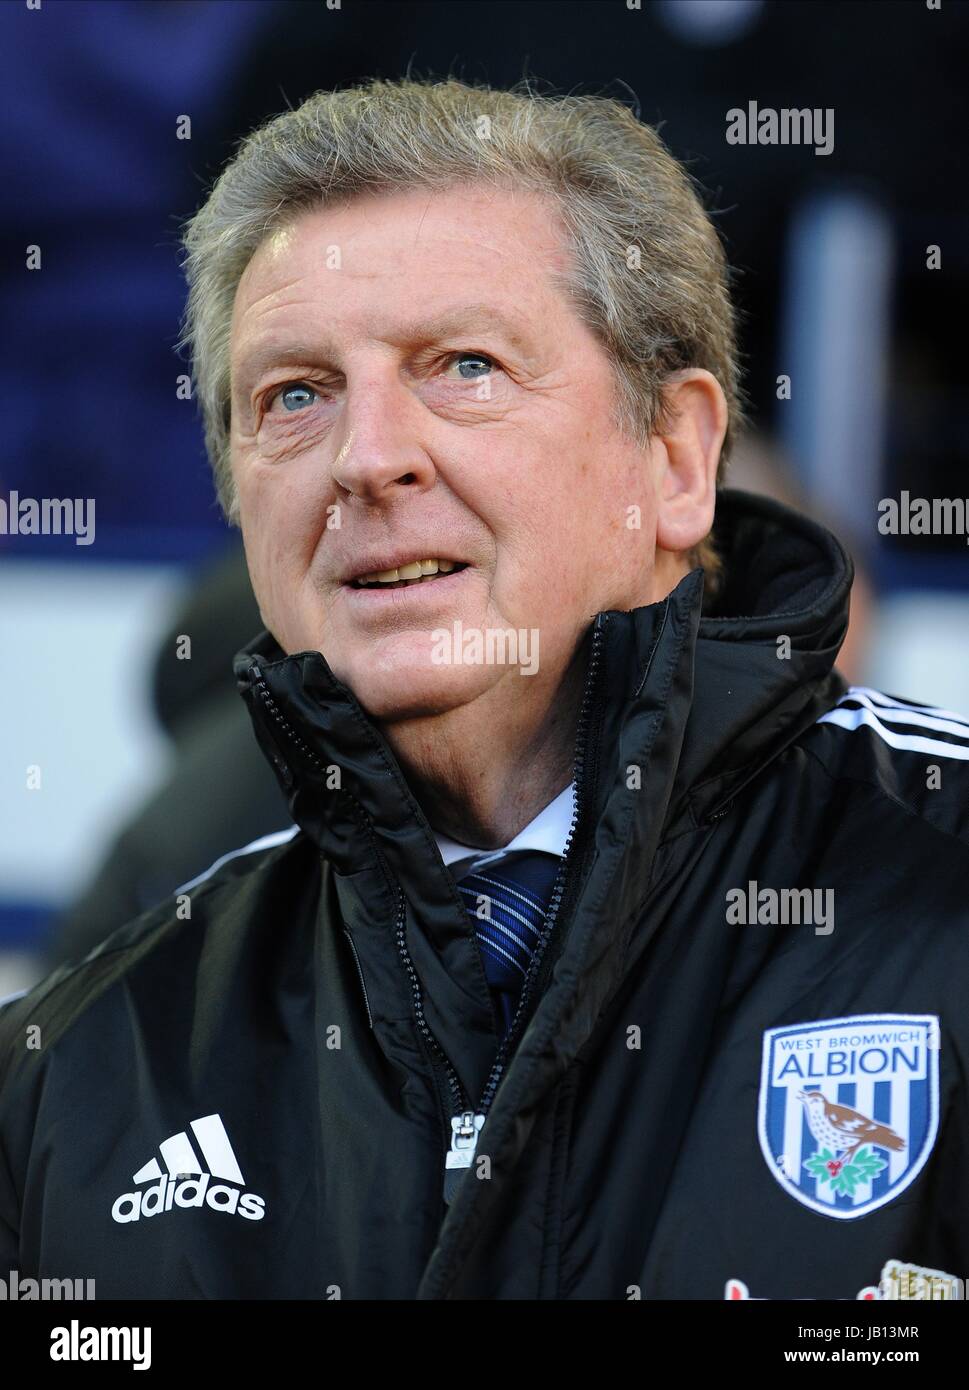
pixel 467 318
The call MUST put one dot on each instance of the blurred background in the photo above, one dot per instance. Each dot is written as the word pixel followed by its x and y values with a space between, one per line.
pixel 125 771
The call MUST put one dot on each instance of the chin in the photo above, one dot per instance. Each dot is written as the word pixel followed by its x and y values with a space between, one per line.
pixel 409 692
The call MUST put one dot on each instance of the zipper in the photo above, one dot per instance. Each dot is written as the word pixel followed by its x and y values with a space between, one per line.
pixel 461 1121
pixel 460 1125
pixel 259 681
pixel 463 1126
pixel 465 1129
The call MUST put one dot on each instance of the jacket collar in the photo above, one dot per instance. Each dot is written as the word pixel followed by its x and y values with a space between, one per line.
pixel 765 653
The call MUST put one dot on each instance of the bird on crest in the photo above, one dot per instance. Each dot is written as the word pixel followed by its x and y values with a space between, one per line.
pixel 842 1129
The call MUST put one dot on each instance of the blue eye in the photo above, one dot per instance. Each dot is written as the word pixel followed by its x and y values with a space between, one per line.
pixel 472 357
pixel 296 390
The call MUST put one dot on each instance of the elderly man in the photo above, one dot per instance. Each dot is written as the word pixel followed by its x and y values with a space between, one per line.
pixel 619 951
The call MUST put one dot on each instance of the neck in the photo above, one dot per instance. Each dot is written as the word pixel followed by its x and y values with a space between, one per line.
pixel 482 771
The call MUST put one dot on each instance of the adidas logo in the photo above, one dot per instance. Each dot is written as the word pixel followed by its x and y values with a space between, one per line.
pixel 186 1183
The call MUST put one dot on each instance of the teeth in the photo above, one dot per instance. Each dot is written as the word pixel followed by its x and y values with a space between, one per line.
pixel 411 573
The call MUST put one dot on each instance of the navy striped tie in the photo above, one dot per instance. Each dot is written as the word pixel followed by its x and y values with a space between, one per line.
pixel 507 900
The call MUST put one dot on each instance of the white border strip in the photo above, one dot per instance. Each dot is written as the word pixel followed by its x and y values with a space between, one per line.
pixel 856 718
pixel 278 837
pixel 875 702
pixel 880 698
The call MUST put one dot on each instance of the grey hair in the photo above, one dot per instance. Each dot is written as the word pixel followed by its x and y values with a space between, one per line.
pixel 649 278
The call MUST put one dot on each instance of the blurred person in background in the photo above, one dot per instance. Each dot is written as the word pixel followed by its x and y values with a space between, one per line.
pixel 218 793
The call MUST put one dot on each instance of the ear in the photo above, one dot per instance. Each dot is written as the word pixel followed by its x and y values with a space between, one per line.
pixel 688 457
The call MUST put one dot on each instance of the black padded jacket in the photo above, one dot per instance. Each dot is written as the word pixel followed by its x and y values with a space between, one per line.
pixel 738 1066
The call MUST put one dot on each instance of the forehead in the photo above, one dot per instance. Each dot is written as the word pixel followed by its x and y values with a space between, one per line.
pixel 380 256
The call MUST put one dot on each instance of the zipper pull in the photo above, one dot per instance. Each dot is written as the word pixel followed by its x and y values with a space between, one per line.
pixel 465 1129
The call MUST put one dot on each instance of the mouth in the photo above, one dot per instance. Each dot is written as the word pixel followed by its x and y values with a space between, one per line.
pixel 411 574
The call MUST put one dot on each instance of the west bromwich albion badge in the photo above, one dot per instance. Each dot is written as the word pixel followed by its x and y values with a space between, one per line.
pixel 849 1108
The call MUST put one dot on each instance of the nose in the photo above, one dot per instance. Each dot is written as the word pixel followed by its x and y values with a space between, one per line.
pixel 382 450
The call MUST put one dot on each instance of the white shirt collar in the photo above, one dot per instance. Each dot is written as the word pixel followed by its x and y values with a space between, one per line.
pixel 549 831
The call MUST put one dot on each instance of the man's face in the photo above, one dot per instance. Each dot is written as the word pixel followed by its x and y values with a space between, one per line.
pixel 405 366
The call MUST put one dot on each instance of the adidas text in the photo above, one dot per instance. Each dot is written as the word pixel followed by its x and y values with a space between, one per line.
pixel 193 1191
